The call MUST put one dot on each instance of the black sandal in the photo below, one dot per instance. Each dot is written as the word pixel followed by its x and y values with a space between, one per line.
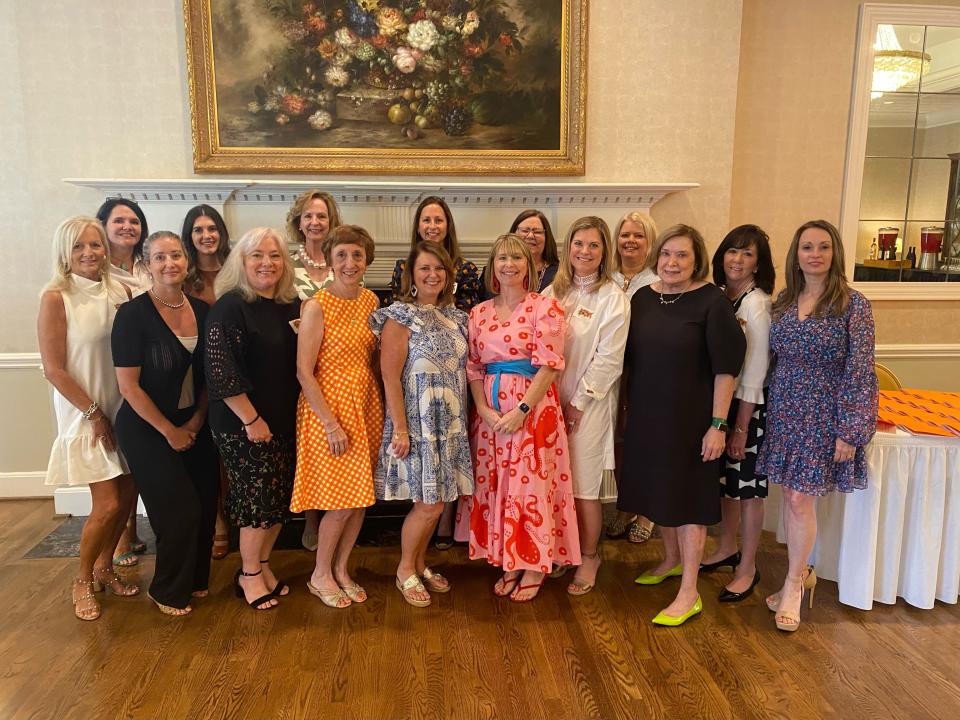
pixel 443 542
pixel 238 590
pixel 278 589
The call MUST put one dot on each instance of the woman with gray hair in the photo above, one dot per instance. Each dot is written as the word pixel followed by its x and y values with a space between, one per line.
pixel 161 425
pixel 251 369
pixel 77 309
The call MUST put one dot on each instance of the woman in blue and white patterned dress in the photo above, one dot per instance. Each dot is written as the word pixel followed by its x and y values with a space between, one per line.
pixel 425 453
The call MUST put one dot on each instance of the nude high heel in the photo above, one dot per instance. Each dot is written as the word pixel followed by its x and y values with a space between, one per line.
pixel 809 579
pixel 807 582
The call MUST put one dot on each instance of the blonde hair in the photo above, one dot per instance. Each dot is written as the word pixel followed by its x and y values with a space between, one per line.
pixel 701 257
pixel 296 211
pixel 509 243
pixel 64 238
pixel 406 276
pixel 836 295
pixel 233 276
pixel 649 230
pixel 564 279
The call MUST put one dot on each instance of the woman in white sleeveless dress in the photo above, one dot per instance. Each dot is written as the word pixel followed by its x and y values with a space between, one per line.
pixel 77 308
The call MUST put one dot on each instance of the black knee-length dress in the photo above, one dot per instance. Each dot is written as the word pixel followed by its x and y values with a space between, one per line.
pixel 677 345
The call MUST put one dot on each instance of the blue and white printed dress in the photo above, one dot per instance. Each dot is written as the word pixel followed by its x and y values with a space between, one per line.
pixel 439 467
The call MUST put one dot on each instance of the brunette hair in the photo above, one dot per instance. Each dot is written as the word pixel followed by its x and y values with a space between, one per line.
pixel 564 278
pixel 406 276
pixel 450 243
pixel 550 254
pixel 349 235
pixel 836 295
pixel 103 214
pixel 740 238
pixel 194 278
pixel 700 255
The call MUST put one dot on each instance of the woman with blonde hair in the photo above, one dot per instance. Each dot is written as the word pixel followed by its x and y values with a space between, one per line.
pixel 632 237
pixel 77 310
pixel 822 407
pixel 251 369
pixel 598 315
pixel 313 215
pixel 522 515
pixel 684 351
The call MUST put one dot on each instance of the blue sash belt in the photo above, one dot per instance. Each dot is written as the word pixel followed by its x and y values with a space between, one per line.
pixel 510 367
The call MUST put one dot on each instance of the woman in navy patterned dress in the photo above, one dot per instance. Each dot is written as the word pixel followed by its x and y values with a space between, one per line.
pixel 823 398
pixel 425 453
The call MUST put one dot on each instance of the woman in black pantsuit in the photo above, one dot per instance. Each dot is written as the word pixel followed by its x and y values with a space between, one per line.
pixel 161 424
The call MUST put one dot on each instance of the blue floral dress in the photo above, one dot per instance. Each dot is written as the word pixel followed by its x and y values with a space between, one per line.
pixel 823 387
pixel 439 467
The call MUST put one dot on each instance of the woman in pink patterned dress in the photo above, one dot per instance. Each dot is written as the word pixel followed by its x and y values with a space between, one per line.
pixel 522 515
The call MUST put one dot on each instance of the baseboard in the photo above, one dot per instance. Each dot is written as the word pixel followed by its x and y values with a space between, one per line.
pixel 24 485
pixel 906 351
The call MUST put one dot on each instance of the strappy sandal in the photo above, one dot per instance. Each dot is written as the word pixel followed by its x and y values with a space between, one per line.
pixel 639 532
pixel 507 584
pixel 169 609
pixel 578 586
pixel 89 610
pixel 126 559
pixel 413 583
pixel 434 581
pixel 221 546
pixel 281 588
pixel 355 592
pixel 331 598
pixel 255 604
pixel 139 547
pixel 107 578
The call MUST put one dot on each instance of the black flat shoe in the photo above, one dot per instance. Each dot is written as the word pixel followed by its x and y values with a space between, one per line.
pixel 726 596
pixel 730 562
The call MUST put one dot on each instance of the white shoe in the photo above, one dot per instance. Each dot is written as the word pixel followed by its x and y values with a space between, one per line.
pixel 309 541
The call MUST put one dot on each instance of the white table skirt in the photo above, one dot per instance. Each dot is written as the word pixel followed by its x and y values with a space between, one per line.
pixel 898 538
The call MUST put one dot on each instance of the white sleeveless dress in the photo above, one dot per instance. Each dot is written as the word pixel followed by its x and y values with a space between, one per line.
pixel 77 458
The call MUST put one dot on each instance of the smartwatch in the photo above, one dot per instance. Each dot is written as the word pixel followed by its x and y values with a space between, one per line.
pixel 524 408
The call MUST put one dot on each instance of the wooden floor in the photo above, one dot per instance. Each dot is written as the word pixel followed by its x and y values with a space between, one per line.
pixel 470 655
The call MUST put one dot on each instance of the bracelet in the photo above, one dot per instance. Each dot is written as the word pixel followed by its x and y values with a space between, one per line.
pixel 334 428
pixel 720 424
pixel 400 433
pixel 739 430
pixel 252 421
pixel 90 411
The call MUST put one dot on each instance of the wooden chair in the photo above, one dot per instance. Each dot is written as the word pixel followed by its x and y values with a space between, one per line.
pixel 886 378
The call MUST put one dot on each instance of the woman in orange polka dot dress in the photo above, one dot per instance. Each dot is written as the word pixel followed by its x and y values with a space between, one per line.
pixel 339 415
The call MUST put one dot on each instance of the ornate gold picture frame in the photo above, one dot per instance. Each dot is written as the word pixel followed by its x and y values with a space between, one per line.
pixel 387 86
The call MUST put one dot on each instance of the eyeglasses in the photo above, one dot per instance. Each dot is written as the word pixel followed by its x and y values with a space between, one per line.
pixel 530 231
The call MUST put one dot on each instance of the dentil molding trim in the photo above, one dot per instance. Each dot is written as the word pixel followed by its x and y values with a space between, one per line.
pixel 505 194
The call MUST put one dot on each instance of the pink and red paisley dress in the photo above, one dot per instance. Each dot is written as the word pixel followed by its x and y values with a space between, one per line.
pixel 522 514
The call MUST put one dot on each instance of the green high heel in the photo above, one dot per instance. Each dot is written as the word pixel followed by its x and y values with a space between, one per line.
pixel 671 621
pixel 646 579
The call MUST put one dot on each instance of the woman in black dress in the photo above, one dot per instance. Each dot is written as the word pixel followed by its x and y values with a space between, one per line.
pixel 252 378
pixel 161 424
pixel 684 351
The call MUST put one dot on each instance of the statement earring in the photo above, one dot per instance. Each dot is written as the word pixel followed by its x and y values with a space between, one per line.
pixel 413 292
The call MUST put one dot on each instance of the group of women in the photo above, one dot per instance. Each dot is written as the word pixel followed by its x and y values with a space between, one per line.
pixel 178 360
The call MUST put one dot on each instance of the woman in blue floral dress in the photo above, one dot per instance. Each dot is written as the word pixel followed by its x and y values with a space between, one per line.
pixel 822 398
pixel 425 453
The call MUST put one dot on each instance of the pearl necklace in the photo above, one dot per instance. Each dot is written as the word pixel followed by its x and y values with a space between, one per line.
pixel 172 306
pixel 309 261
pixel 671 302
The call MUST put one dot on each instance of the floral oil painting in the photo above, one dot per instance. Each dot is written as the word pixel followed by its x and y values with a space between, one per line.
pixel 387 86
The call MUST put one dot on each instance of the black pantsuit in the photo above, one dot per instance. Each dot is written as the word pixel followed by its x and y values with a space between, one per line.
pixel 179 489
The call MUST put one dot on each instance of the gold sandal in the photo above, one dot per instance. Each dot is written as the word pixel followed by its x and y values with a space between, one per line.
pixel 104 578
pixel 169 609
pixel 90 611
pixel 413 583
pixel 434 581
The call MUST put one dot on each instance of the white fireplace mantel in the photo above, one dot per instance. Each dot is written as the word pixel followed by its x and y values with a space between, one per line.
pixel 482 210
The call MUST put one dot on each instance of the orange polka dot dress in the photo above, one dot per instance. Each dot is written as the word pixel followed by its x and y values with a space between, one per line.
pixel 344 370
